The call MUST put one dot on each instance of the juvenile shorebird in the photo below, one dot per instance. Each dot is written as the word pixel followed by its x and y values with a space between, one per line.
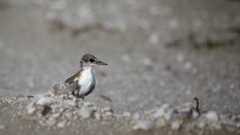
pixel 83 82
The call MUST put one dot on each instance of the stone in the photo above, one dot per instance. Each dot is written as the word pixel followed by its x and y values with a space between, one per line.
pixel 216 125
pixel 31 110
pixel 61 124
pixel 160 123
pixel 175 125
pixel 97 116
pixel 68 114
pixel 127 114
pixel 164 112
pixel 44 101
pixel 46 109
pixel 107 115
pixel 88 104
pixel 106 109
pixel 227 121
pixel 56 115
pixel 212 116
pixel 142 125
pixel 70 102
pixel 201 124
pixel 2 127
pixel 136 116
pixel 49 122
pixel 106 123
pixel 85 112
pixel 238 125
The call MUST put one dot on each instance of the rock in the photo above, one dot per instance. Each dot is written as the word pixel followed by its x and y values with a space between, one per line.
pixel 61 124
pixel 88 104
pixel 31 110
pixel 176 125
pixel 56 115
pixel 2 127
pixel 216 125
pixel 142 125
pixel 117 116
pixel 97 116
pixel 136 116
pixel 164 112
pixel 160 123
pixel 107 114
pixel 228 121
pixel 70 102
pixel 49 122
pixel 85 112
pixel 127 114
pixel 106 123
pixel 68 114
pixel 46 109
pixel 201 124
pixel 106 109
pixel 44 101
pixel 238 125
pixel 212 116
pixel 60 88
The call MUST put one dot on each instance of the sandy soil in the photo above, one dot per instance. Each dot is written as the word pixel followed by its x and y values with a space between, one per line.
pixel 158 52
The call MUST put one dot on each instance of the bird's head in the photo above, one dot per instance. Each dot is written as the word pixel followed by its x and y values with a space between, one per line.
pixel 88 60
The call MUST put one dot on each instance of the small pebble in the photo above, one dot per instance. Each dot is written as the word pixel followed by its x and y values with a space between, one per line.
pixel 85 112
pixel 136 116
pixel 97 116
pixel 31 110
pixel 61 124
pixel 106 109
pixel 127 114
pixel 2 127
pixel 44 101
pixel 160 123
pixel 175 125
pixel 212 116
pixel 142 125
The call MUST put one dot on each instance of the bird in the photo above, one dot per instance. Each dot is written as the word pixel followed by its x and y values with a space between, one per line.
pixel 83 82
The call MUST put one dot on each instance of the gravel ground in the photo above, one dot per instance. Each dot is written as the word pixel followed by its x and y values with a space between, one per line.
pixel 158 52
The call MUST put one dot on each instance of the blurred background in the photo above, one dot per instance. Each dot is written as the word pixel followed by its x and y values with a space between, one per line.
pixel 158 51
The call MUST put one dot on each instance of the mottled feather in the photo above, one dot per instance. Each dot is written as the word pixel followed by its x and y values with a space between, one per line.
pixel 74 86
pixel 71 79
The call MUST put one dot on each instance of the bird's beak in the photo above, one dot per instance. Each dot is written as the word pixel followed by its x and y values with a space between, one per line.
pixel 100 63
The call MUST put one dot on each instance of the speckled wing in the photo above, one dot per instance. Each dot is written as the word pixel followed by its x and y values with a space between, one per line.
pixel 74 86
pixel 71 79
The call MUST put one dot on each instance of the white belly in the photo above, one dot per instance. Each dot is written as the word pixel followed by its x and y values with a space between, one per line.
pixel 86 82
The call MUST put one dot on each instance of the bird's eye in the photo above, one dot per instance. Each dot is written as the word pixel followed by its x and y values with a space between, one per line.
pixel 91 60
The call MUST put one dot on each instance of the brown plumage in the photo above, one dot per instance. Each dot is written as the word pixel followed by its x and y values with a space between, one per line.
pixel 71 79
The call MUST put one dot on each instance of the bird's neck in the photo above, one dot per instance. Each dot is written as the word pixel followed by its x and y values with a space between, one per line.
pixel 86 68
pixel 87 74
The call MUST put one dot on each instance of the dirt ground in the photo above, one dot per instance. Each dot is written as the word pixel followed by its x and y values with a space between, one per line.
pixel 157 52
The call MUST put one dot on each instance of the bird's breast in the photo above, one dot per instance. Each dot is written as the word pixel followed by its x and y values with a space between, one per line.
pixel 86 82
